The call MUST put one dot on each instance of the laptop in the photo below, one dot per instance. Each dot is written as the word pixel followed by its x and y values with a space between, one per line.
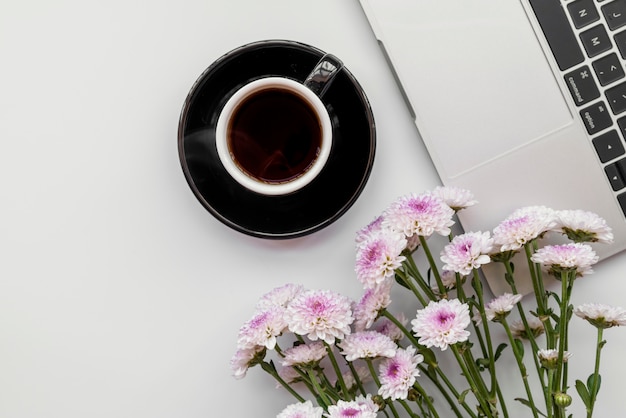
pixel 523 102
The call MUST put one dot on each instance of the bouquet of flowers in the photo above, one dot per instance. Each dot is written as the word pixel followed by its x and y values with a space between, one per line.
pixel 344 358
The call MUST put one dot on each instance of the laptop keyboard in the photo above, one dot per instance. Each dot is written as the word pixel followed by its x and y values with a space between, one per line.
pixel 588 41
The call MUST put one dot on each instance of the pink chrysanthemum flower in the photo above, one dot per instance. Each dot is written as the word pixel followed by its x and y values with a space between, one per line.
pixel 244 358
pixel 301 410
pixel 359 408
pixel 523 226
pixel 518 329
pixel 279 296
pixel 397 375
pixel 262 329
pixel 304 354
pixel 500 307
pixel 467 252
pixel 372 229
pixel 566 257
pixel 442 323
pixel 367 344
pixel 455 197
pixel 601 316
pixel 378 258
pixel 422 215
pixel 387 327
pixel 373 301
pixel 583 226
pixel 320 314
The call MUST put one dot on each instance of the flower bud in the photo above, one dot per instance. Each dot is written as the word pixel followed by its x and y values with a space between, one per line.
pixel 562 399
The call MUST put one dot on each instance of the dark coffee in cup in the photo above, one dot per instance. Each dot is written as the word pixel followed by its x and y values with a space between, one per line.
pixel 274 135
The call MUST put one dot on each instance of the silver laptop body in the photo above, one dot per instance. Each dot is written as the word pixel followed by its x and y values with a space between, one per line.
pixel 502 114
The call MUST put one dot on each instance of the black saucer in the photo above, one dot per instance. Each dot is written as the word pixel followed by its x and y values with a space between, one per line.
pixel 300 213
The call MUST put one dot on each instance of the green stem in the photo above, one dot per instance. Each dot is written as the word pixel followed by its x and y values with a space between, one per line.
pixel 529 334
pixel 563 320
pixel 407 280
pixel 470 377
pixel 595 387
pixel 318 389
pixel 540 295
pixel 481 303
pixel 550 396
pixel 333 360
pixel 272 371
pixel 522 368
pixel 426 398
pixel 433 265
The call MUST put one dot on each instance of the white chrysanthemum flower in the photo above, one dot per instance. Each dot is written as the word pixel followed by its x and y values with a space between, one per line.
pixel 422 215
pixel 279 296
pixel 390 329
pixel 523 226
pixel 583 226
pixel 455 197
pixel 500 307
pixel 397 374
pixel 467 252
pixel 601 316
pixel 373 301
pixel 301 410
pixel 359 408
pixel 518 329
pixel 367 344
pixel 566 257
pixel 262 329
pixel 304 354
pixel 442 323
pixel 549 358
pixel 320 314
pixel 378 258
pixel 244 358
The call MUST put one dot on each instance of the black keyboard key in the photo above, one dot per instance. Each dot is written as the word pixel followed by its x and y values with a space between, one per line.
pixel 595 40
pixel 582 86
pixel 621 122
pixel 621 198
pixel 615 14
pixel 608 146
pixel 620 41
pixel 615 177
pixel 608 69
pixel 616 97
pixel 583 12
pixel 596 118
pixel 558 32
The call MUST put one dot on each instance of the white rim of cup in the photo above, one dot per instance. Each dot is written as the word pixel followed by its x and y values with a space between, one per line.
pixel 244 179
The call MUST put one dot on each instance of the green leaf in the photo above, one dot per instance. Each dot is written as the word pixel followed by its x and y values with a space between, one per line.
pixel 583 393
pixel 429 356
pixel 528 404
pixel 499 351
pixel 401 282
pixel 520 347
pixel 593 390
pixel 463 395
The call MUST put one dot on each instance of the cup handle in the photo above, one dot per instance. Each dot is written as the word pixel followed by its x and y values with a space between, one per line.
pixel 323 74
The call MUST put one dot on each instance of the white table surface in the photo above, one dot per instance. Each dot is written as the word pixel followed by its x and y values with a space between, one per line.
pixel 120 296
